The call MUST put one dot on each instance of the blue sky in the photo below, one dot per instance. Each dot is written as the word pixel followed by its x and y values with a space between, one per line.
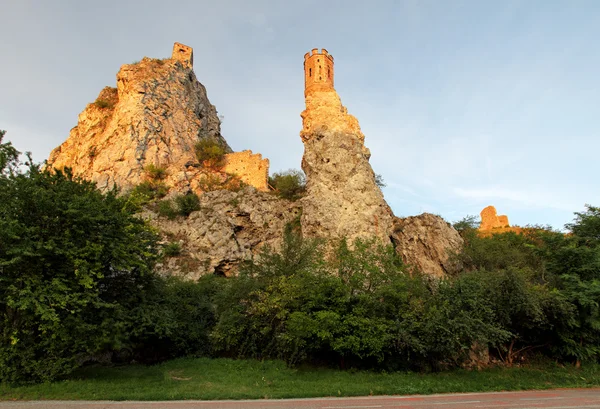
pixel 463 103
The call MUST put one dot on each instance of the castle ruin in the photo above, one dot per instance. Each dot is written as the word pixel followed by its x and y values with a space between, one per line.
pixel 251 168
pixel 318 71
pixel 184 54
pixel 491 220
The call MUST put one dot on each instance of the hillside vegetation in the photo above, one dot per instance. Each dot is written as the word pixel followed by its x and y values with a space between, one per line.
pixel 77 286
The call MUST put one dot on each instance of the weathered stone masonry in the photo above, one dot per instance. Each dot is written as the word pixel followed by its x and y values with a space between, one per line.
pixel 251 168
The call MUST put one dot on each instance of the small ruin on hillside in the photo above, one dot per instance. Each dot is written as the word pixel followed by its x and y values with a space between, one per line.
pixel 183 53
pixel 491 220
pixel 251 168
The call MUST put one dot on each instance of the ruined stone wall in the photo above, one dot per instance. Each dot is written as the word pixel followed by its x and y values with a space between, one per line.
pixel 490 219
pixel 184 54
pixel 251 168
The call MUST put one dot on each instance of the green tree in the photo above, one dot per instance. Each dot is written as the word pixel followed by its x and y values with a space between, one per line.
pixel 290 184
pixel 75 265
pixel 467 223
pixel 9 156
pixel 210 152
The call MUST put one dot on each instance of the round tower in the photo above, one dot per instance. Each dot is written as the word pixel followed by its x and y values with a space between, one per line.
pixel 318 71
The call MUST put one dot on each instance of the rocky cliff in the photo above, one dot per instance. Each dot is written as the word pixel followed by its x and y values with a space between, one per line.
pixel 428 243
pixel 155 116
pixel 159 112
pixel 228 228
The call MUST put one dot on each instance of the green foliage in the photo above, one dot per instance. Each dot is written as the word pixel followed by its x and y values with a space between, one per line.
pixel 210 152
pixel 76 283
pixel 74 265
pixel 148 191
pixel 104 104
pixel 9 156
pixel 187 203
pixel 224 378
pixel 587 225
pixel 359 308
pixel 172 249
pixel 290 184
pixel 165 209
pixel 155 173
pixel 467 223
pixel 210 183
pixel 180 205
pixel 500 251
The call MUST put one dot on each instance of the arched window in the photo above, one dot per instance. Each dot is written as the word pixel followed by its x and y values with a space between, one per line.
pixel 310 72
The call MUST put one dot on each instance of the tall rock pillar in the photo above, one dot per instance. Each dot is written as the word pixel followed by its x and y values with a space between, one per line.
pixel 343 200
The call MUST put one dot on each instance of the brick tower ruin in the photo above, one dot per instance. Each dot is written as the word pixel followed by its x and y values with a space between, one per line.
pixel 318 71
pixel 184 54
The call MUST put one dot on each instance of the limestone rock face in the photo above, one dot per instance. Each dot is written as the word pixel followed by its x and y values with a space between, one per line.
pixel 155 116
pixel 491 220
pixel 343 200
pixel 230 227
pixel 427 242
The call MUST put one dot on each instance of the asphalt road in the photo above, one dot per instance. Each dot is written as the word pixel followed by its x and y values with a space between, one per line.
pixel 557 399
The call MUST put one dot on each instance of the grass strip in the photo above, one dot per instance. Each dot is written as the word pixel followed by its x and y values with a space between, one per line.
pixel 204 378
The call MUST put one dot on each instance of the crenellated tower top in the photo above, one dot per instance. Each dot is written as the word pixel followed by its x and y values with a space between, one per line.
pixel 318 71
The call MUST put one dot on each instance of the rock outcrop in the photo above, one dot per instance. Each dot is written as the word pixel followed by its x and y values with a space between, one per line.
pixel 491 220
pixel 229 227
pixel 155 116
pixel 343 199
pixel 428 243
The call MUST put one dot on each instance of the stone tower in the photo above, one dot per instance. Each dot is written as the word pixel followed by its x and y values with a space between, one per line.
pixel 184 54
pixel 318 71
pixel 342 197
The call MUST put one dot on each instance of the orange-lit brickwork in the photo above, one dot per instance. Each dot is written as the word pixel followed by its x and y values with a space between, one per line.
pixel 251 168
pixel 318 71
pixel 184 54
pixel 490 219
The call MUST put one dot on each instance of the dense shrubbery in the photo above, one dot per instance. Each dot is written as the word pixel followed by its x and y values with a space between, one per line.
pixel 210 152
pixel 290 184
pixel 74 268
pixel 180 205
pixel 76 285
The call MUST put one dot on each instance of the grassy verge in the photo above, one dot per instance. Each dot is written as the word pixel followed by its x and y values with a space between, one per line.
pixel 246 379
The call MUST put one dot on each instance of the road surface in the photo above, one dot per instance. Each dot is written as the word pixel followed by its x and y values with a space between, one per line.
pixel 556 399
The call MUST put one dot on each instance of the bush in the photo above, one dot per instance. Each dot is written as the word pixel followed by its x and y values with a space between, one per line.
pixel 467 223
pixel 102 104
pixel 210 183
pixel 155 172
pixel 290 184
pixel 172 249
pixel 149 191
pixel 186 204
pixel 210 153
pixel 165 209
pixel 75 265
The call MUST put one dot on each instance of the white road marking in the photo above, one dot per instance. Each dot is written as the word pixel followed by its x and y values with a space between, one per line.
pixel 350 407
pixel 554 397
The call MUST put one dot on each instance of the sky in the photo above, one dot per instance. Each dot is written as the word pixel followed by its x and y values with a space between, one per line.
pixel 464 104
